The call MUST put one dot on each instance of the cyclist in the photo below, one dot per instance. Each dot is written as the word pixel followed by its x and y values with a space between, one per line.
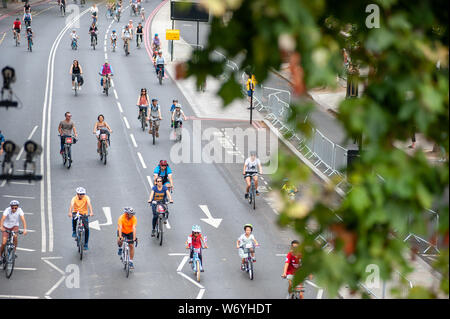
pixel 292 263
pixel 289 188
pixel 196 240
pixel 159 193
pixel 244 239
pixel 94 13
pixel 118 8
pixel 155 112
pixel 156 43
pixel 76 71
pixel 74 37
pixel 142 103
pixel 27 18
pixel 81 203
pixel 29 33
pixel 131 27
pixel 93 31
pixel 139 33
pixel 142 14
pixel 250 171
pixel 17 26
pixel 2 140
pixel 101 127
pixel 126 228
pixel 165 172
pixel 106 70
pixel 10 221
pixel 133 4
pixel 26 7
pixel 65 129
pixel 178 116
pixel 63 3
pixel 126 36
pixel 172 108
pixel 159 63
pixel 113 38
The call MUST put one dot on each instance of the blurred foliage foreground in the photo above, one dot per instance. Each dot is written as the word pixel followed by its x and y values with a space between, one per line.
pixel 404 44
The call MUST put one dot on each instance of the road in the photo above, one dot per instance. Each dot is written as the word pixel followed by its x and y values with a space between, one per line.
pixel 47 258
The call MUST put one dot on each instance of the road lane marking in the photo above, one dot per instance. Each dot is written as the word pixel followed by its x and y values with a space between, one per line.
pixel 168 225
pixel 45 136
pixel 200 293
pixel 29 269
pixel 3 183
pixel 112 83
pixel 29 137
pixel 150 182
pixel 126 122
pixel 22 197
pixel 23 183
pixel 183 262
pixel 190 279
pixel 54 267
pixel 119 106
pixel 19 297
pixel 1 40
pixel 24 249
pixel 115 94
pixel 177 254
pixel 55 286
pixel 142 160
pixel 133 140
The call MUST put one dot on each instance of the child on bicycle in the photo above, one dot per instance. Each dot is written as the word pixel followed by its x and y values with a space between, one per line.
pixel 113 38
pixel 243 240
pixel 74 37
pixel 195 240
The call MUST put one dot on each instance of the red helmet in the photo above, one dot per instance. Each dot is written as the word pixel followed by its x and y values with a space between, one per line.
pixel 163 163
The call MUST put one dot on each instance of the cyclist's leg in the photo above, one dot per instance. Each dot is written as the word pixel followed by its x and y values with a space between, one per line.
pixel 74 223
pixel 131 247
pixel 62 143
pixel 289 279
pixel 247 180
pixel 255 178
pixel 73 80
pixel 15 238
pixel 4 240
pixel 86 229
pixel 155 216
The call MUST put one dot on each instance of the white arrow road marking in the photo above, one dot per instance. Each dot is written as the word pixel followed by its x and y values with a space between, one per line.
pixel 215 222
pixel 95 224
pixel 183 262
pixel 48 293
pixel 53 266
pixel 46 260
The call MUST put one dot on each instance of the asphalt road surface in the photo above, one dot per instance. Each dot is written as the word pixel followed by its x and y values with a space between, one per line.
pixel 48 265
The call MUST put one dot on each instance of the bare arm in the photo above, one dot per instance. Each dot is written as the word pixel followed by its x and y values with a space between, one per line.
pixel 107 126
pixel 24 222
pixel 90 207
pixel 71 68
pixel 168 195
pixel 75 131
pixel 95 128
pixel 151 196
pixel 286 265
pixel 1 223
pixel 71 209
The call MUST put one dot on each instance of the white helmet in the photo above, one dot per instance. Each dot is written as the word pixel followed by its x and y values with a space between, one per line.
pixel 81 191
pixel 14 203
pixel 196 229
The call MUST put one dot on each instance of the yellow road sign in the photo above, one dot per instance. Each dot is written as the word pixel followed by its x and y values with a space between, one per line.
pixel 172 34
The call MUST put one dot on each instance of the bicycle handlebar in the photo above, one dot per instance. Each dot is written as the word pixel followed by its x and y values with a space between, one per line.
pixel 13 232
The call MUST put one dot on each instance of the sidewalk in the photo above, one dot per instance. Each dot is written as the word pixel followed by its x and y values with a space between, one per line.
pixel 205 104
pixel 209 105
pixel 16 8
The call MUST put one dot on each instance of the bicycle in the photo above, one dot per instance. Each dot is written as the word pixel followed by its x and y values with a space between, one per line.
pixel 67 151
pixel 30 43
pixel 103 145
pixel 160 76
pixel 153 122
pixel 9 254
pixel 197 265
pixel 252 191
pixel 125 258
pixel 80 239
pixel 125 47
pixel 16 38
pixel 109 14
pixel 118 15
pixel 177 125
pixel 62 8
pixel 27 23
pixel 142 117
pixel 133 10
pixel 114 45
pixel 76 85
pixel 107 84
pixel 248 263
pixel 93 40
pixel 162 210
pixel 74 44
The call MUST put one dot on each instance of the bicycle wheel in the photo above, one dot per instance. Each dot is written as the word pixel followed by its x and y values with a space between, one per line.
pixel 160 77
pixel 250 269
pixel 69 157
pixel 125 257
pixel 127 265
pixel 254 196
pixel 10 261
pixel 142 121
pixel 198 270
pixel 153 133
pixel 81 244
pixel 76 87
pixel 161 230
pixel 29 45
pixel 104 152
pixel 64 157
pixel 107 87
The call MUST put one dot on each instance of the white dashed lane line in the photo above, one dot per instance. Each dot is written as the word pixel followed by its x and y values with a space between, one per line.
pixel 119 106
pixel 115 94
pixel 126 122
pixel 133 140
pixel 142 160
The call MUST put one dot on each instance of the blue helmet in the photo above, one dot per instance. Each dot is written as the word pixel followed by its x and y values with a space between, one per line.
pixel 196 229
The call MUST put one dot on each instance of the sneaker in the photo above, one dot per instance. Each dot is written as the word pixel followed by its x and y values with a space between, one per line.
pixel 242 267
pixel 120 252
pixel 131 265
pixel 246 195
pixel 202 270
pixel 86 247
pixel 257 193
pixel 74 234
pixel 153 232
pixel 79 88
pixel 190 261
pixel 73 87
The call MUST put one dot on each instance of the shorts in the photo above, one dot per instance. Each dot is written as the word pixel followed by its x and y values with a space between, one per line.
pixel 243 254
pixel 250 174
pixel 249 93
pixel 17 30
pixel 14 229
pixel 128 236
pixel 290 277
